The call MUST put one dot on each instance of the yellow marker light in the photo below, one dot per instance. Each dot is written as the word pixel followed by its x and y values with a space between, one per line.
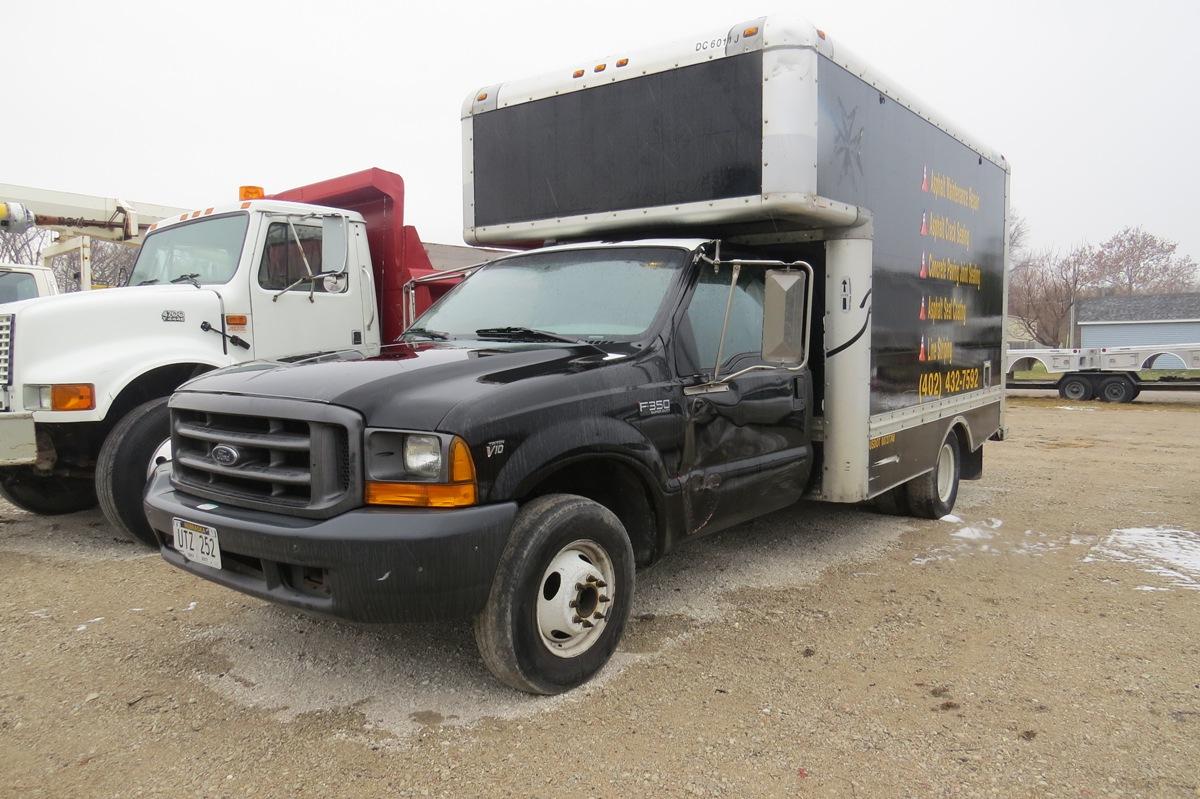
pixel 479 98
pixel 599 67
pixel 577 73
pixel 251 193
pixel 821 34
pixel 72 397
pixel 622 62
pixel 235 319
pixel 751 31
pixel 460 492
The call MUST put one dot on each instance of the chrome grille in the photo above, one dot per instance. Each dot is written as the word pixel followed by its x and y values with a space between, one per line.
pixel 268 460
pixel 6 336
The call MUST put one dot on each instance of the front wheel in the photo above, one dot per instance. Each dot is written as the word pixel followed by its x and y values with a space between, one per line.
pixel 47 496
pixel 932 495
pixel 560 597
pixel 134 448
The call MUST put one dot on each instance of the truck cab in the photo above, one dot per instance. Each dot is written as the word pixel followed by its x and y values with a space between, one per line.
pixel 23 282
pixel 83 407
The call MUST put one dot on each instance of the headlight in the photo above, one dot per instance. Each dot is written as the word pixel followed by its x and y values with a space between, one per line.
pixel 424 470
pixel 423 455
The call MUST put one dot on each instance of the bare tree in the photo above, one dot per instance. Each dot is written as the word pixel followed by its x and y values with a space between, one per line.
pixel 1043 288
pixel 1136 262
pixel 111 265
pixel 22 248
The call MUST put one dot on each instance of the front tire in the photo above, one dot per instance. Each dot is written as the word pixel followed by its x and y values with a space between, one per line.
pixel 560 598
pixel 47 496
pixel 932 495
pixel 127 457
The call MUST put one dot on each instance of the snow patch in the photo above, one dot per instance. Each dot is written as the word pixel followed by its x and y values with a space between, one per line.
pixel 1168 552
pixel 950 517
pixel 972 534
pixel 1071 408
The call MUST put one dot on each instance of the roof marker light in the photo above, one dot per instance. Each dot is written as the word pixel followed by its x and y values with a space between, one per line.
pixel 245 205
pixel 821 34
pixel 622 62
pixel 195 214
pixel 577 73
pixel 599 67
pixel 751 31
pixel 479 98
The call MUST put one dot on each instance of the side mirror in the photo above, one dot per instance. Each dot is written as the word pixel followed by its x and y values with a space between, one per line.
pixel 785 318
pixel 335 243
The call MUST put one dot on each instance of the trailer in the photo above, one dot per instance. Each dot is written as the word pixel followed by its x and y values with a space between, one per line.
pixel 85 376
pixel 1106 373
pixel 752 271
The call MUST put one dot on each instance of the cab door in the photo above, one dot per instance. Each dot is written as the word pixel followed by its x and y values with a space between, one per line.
pixel 314 316
pixel 747 445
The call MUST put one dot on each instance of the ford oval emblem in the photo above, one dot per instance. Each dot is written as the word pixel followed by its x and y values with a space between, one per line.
pixel 225 455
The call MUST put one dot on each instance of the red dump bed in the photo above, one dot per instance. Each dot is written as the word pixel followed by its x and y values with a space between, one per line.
pixel 396 249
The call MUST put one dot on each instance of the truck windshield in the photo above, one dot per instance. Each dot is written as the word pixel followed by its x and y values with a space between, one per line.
pixel 17 286
pixel 603 294
pixel 207 250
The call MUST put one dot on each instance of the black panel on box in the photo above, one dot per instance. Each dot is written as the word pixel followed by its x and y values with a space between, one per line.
pixel 685 135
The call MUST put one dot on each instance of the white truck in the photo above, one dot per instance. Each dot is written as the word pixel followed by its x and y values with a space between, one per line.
pixel 24 282
pixel 84 377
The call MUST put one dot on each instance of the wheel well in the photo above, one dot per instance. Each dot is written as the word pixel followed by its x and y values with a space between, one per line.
pixel 618 487
pixel 159 382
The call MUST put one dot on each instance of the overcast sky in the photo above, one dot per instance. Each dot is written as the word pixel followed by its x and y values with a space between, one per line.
pixel 1095 104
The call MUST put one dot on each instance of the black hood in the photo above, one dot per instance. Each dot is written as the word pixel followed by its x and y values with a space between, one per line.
pixel 407 385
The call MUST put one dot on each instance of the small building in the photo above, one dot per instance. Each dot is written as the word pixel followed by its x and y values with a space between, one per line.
pixel 1140 320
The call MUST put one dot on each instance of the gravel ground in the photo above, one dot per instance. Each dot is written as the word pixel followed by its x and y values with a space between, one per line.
pixel 1044 641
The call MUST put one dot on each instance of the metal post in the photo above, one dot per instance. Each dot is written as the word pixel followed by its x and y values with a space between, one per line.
pixel 85 263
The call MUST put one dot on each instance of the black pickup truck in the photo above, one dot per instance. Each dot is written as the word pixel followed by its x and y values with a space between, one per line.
pixel 548 426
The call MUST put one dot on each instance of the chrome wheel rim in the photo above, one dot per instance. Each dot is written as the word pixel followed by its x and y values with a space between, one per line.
pixel 945 472
pixel 574 597
pixel 161 455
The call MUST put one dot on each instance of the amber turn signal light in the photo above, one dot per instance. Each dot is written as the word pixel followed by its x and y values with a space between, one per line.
pixel 460 492
pixel 72 397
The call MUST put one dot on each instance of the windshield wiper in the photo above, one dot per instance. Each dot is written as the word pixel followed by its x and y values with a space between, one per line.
pixel 190 277
pixel 531 334
pixel 148 282
pixel 436 335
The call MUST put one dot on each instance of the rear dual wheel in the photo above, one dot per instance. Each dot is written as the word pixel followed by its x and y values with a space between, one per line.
pixel 560 598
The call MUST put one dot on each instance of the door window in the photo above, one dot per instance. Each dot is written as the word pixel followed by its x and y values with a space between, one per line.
pixel 701 324
pixel 282 262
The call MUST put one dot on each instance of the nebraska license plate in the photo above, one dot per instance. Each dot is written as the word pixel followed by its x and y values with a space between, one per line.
pixel 197 542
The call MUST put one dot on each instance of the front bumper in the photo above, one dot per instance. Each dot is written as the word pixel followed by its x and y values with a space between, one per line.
pixel 368 564
pixel 18 439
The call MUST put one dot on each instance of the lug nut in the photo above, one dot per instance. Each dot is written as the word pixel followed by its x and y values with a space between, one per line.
pixel 587 623
pixel 597 615
pixel 604 598
pixel 572 604
pixel 577 619
pixel 601 584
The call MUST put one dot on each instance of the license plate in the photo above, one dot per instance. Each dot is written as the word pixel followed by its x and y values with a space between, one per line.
pixel 197 542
